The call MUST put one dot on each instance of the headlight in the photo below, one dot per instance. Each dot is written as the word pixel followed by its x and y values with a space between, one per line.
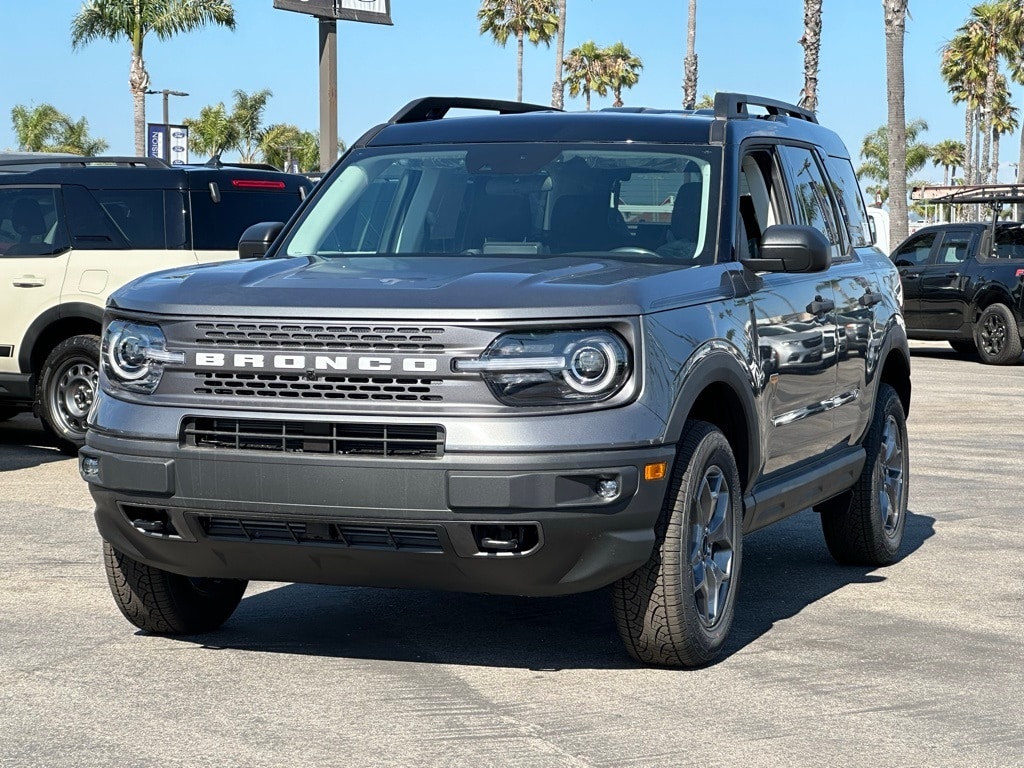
pixel 134 355
pixel 553 367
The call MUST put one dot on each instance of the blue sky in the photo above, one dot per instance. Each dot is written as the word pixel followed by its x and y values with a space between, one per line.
pixel 435 48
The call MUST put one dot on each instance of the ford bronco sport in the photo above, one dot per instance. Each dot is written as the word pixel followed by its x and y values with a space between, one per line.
pixel 527 353
pixel 73 229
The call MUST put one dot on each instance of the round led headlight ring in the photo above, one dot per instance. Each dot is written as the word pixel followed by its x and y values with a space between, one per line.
pixel 592 366
pixel 127 355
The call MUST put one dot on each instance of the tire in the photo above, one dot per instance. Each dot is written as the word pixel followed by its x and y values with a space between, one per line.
pixel 865 525
pixel 963 347
pixel 165 603
pixel 996 336
pixel 665 612
pixel 66 390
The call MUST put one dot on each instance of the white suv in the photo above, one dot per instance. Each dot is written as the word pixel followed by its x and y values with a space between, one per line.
pixel 72 230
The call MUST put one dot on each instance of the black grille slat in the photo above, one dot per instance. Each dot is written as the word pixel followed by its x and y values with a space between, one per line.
pixel 396 538
pixel 320 337
pixel 322 388
pixel 388 440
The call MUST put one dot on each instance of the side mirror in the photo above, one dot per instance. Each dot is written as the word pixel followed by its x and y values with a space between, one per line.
pixel 789 248
pixel 256 240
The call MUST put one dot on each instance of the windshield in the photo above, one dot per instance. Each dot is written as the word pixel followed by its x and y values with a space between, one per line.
pixel 516 200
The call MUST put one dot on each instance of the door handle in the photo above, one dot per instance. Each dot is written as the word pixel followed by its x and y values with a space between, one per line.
pixel 820 306
pixel 869 299
pixel 952 275
pixel 910 275
pixel 28 281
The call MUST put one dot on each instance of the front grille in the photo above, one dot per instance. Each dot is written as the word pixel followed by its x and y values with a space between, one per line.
pixel 318 337
pixel 400 538
pixel 236 384
pixel 397 440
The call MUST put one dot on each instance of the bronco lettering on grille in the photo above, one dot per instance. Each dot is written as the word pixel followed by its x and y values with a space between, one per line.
pixel 314 362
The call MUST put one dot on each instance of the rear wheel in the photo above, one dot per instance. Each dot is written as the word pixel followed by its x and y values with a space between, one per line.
pixel 865 525
pixel 677 608
pixel 165 603
pixel 67 388
pixel 997 337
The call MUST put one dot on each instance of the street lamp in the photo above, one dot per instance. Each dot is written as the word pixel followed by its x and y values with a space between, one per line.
pixel 167 122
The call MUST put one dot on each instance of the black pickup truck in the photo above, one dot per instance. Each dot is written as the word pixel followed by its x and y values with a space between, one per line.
pixel 963 283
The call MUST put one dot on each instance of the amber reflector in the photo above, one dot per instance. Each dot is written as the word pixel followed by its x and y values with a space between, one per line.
pixel 655 471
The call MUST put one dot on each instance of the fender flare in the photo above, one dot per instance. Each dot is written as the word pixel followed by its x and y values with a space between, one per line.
pixel 719 364
pixel 79 310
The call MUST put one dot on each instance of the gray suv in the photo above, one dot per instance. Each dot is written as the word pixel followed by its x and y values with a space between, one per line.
pixel 529 353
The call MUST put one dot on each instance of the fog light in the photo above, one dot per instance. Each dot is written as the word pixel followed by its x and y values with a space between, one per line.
pixel 90 467
pixel 608 489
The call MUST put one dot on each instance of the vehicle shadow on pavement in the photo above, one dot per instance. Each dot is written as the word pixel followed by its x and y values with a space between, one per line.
pixel 23 444
pixel 786 569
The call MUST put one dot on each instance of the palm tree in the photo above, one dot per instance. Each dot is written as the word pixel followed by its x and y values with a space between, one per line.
pixel 992 33
pixel 36 127
pixel 877 157
pixel 282 144
pixel 690 60
pixel 1004 120
pixel 811 41
pixel 533 19
pixel 132 20
pixel 966 82
pixel 213 132
pixel 247 116
pixel 895 16
pixel 948 153
pixel 74 137
pixel 586 71
pixel 623 69
pixel 558 87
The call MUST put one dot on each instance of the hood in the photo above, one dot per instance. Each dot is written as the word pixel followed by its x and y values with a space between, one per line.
pixel 443 288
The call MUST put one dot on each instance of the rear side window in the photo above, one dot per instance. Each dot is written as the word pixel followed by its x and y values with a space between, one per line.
pixel 139 215
pixel 31 222
pixel 217 226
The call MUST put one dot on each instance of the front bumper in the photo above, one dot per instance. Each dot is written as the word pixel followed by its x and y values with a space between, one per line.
pixel 504 523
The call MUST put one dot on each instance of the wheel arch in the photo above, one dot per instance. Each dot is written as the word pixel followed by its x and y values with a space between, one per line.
pixel 895 368
pixel 52 327
pixel 720 391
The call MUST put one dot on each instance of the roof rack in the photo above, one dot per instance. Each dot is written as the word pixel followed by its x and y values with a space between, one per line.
pixel 72 160
pixel 734 105
pixel 216 162
pixel 436 107
pixel 990 194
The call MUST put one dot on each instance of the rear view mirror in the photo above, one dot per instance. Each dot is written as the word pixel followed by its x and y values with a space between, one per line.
pixel 790 248
pixel 257 239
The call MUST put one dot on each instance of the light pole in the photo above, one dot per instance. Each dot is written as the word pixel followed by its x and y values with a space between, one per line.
pixel 167 122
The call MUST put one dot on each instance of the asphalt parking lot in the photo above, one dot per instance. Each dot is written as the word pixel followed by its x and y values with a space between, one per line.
pixel 918 664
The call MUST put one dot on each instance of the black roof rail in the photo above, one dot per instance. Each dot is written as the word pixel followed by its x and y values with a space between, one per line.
pixel 436 107
pixel 70 160
pixel 216 162
pixel 733 105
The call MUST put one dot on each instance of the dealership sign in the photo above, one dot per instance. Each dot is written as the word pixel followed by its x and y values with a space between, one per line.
pixel 371 11
pixel 168 142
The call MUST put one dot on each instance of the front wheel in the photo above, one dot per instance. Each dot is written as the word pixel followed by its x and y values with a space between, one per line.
pixel 67 388
pixel 997 337
pixel 676 609
pixel 865 525
pixel 165 603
